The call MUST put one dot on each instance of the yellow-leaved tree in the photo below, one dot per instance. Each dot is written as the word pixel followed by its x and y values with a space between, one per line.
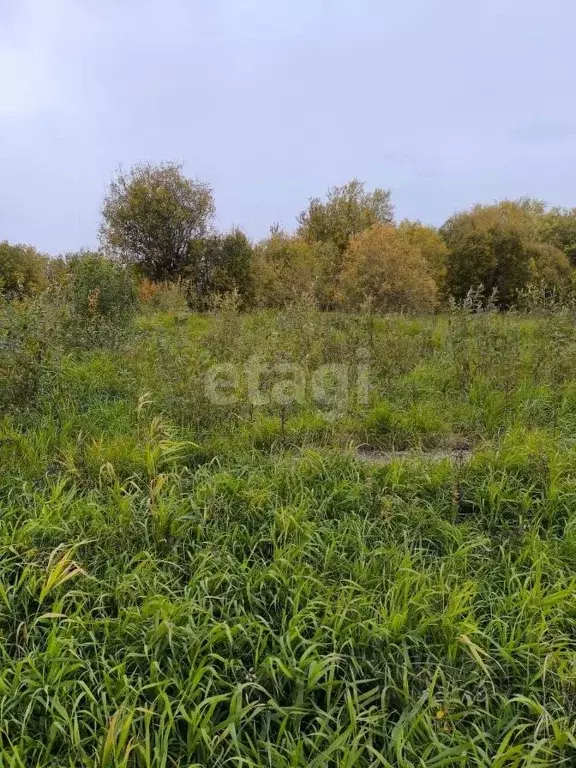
pixel 431 246
pixel 382 267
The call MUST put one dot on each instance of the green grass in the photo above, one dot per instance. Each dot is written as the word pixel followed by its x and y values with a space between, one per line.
pixel 190 585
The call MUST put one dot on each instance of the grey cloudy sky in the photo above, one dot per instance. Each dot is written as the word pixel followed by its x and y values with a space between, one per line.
pixel 447 102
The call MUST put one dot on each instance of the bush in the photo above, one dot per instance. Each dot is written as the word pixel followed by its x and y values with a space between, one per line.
pixel 162 297
pixel 219 265
pixel 346 211
pixel 150 216
pixel 102 297
pixel 549 265
pixel 383 268
pixel 25 328
pixel 286 268
pixel 431 246
pixel 21 270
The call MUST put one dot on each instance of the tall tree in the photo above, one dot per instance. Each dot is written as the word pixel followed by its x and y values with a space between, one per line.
pixel 347 210
pixel 494 246
pixel 151 214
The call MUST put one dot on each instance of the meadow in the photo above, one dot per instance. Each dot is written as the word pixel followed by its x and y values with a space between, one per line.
pixel 184 583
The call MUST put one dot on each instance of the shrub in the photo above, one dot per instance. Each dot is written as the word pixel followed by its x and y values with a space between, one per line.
pixel 347 211
pixel 218 265
pixel 383 268
pixel 102 298
pixel 162 297
pixel 21 270
pixel 25 328
pixel 285 268
pixel 549 264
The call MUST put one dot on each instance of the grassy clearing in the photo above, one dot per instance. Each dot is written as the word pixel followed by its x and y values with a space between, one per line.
pixel 183 584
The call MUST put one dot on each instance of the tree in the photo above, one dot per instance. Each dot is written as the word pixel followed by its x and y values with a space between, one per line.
pixel 557 227
pixel 287 267
pixel 219 264
pixel 151 215
pixel 549 265
pixel 382 267
pixel 491 246
pixel 347 211
pixel 22 270
pixel 431 246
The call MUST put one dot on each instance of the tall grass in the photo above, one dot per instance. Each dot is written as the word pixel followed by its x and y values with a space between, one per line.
pixel 184 584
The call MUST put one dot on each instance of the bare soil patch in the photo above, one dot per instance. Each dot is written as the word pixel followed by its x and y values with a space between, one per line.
pixel 373 456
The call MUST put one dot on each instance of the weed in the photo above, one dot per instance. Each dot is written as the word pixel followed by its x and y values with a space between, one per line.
pixel 186 584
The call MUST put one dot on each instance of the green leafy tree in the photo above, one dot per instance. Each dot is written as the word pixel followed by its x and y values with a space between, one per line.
pixel 347 210
pixel 383 268
pixel 492 246
pixel 22 270
pixel 557 227
pixel 219 264
pixel 151 215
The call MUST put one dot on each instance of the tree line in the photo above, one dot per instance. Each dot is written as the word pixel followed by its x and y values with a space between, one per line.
pixel 346 252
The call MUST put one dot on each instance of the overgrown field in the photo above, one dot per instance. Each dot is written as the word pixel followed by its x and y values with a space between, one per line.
pixel 190 584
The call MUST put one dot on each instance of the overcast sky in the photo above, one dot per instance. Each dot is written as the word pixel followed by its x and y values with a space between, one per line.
pixel 446 102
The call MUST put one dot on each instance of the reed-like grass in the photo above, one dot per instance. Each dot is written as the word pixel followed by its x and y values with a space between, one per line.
pixel 186 585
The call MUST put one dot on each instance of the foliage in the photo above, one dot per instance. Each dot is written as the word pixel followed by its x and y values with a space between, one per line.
pixel 557 226
pixel 541 298
pixel 383 267
pixel 432 247
pixel 159 220
pixel 167 297
pixel 494 246
pixel 286 267
pixel 102 298
pixel 377 571
pixel 549 264
pixel 347 211
pixel 22 270
pixel 151 214
pixel 56 272
pixel 29 339
pixel 219 264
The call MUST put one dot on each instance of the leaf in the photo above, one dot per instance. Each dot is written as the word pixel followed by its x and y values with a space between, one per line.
pixel 59 572
pixel 476 652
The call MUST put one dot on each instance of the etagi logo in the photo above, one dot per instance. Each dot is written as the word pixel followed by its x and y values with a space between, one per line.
pixel 332 387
